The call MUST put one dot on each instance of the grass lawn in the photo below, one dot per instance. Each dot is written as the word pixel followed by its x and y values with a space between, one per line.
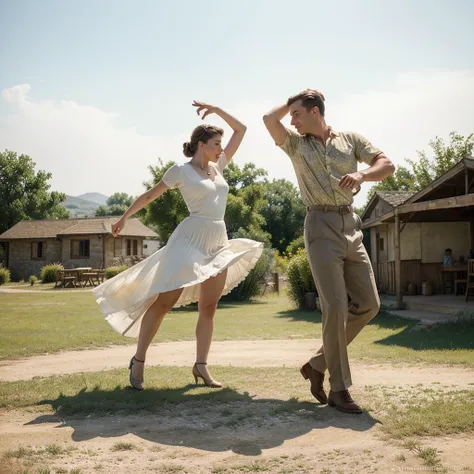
pixel 15 285
pixel 46 322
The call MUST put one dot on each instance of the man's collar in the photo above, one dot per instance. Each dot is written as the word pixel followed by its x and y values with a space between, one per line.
pixel 332 134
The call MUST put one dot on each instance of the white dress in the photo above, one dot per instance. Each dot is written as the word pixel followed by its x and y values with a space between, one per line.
pixel 198 249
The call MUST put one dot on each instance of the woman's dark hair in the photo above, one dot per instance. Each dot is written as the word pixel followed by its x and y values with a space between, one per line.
pixel 203 134
pixel 309 99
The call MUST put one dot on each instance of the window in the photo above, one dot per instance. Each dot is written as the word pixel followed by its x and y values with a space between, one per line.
pixel 132 246
pixel 38 251
pixel 381 244
pixel 80 248
pixel 135 247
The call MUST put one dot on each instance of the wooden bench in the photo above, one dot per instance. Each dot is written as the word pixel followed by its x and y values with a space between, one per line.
pixel 64 279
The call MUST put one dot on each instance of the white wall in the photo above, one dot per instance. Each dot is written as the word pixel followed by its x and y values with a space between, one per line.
pixel 425 241
pixel 438 236
pixel 151 247
pixel 410 242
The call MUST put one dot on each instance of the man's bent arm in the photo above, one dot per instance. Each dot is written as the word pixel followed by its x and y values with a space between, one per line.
pixel 273 123
pixel 380 169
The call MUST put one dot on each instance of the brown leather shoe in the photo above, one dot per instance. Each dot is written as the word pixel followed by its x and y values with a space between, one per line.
pixel 343 401
pixel 316 378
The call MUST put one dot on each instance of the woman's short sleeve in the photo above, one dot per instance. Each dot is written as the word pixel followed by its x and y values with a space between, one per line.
pixel 173 178
pixel 222 162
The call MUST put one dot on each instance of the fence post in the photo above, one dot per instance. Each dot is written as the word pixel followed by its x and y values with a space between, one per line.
pixel 276 282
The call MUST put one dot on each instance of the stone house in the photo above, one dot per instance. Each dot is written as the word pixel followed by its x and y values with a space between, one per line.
pixel 31 244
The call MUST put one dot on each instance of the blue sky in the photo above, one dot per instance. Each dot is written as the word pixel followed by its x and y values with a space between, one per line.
pixel 96 91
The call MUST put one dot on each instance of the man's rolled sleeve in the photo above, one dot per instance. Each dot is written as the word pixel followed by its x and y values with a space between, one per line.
pixel 365 152
pixel 291 143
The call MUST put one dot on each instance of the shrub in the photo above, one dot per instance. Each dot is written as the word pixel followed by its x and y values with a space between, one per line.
pixel 110 272
pixel 33 279
pixel 294 246
pixel 48 272
pixel 256 280
pixel 281 262
pixel 300 279
pixel 4 275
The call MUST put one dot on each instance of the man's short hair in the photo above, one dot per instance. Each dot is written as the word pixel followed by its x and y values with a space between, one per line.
pixel 309 98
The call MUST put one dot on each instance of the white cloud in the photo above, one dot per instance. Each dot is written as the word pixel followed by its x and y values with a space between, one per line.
pixel 80 145
pixel 86 151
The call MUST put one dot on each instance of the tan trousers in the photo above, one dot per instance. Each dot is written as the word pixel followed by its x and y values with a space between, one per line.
pixel 340 266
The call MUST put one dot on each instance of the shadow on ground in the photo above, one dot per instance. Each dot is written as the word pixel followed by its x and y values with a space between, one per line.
pixel 406 333
pixel 216 421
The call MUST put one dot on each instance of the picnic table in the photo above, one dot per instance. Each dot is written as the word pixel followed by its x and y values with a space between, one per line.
pixel 73 276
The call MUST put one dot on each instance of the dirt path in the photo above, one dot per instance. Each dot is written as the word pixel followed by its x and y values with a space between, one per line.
pixel 273 353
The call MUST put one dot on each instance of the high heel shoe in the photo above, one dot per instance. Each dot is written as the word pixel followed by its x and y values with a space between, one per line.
pixel 136 384
pixel 208 382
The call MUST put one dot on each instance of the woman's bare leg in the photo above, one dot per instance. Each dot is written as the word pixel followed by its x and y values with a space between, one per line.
pixel 211 291
pixel 150 325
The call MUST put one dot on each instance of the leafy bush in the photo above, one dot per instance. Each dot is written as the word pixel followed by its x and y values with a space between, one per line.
pixel 256 280
pixel 294 246
pixel 48 272
pixel 110 272
pixel 281 262
pixel 300 279
pixel 4 275
pixel 33 279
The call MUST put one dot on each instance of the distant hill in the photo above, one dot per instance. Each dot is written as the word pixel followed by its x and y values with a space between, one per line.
pixel 79 207
pixel 98 198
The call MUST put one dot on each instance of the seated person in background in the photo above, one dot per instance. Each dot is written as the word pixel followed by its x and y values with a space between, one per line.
pixel 447 259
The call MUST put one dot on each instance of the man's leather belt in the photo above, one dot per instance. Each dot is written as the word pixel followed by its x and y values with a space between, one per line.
pixel 347 209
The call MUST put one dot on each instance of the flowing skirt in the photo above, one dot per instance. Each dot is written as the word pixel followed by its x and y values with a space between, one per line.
pixel 198 249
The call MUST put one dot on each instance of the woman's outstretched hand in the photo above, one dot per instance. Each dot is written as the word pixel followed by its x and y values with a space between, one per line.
pixel 117 227
pixel 207 108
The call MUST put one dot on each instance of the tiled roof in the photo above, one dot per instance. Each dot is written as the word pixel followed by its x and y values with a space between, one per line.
pixel 395 198
pixel 52 228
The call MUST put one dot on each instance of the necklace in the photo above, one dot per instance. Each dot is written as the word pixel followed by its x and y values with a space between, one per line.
pixel 197 166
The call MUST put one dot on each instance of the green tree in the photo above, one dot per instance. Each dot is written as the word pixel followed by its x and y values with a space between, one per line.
pixel 121 199
pixel 402 180
pixel 24 193
pixel 165 213
pixel 113 210
pixel 426 169
pixel 238 178
pixel 244 208
pixel 284 213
